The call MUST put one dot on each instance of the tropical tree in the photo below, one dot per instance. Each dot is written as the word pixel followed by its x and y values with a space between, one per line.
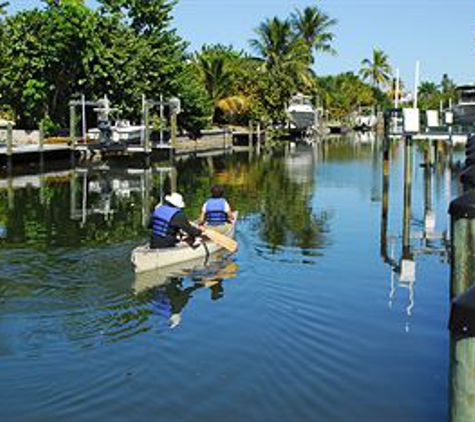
pixel 286 62
pixel 216 74
pixel 313 26
pixel 448 88
pixel 220 69
pixel 429 95
pixel 280 50
pixel 376 70
pixel 344 93
pixel 124 49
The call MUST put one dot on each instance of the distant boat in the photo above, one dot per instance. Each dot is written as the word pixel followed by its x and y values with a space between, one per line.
pixel 123 131
pixel 464 110
pixel 365 120
pixel 302 114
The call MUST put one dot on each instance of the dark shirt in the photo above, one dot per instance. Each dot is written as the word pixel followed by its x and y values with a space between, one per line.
pixel 178 223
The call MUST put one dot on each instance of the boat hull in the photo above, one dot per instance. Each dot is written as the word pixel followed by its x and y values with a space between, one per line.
pixel 145 259
pixel 303 120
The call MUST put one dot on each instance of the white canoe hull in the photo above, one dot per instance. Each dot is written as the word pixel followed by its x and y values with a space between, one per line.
pixel 146 259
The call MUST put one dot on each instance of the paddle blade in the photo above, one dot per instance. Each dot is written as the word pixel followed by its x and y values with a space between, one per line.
pixel 226 242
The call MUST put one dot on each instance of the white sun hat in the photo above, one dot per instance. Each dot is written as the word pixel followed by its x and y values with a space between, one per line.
pixel 175 199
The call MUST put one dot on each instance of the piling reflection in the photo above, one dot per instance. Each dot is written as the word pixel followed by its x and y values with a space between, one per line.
pixel 417 238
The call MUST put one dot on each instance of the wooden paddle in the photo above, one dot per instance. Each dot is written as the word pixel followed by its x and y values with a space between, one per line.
pixel 222 240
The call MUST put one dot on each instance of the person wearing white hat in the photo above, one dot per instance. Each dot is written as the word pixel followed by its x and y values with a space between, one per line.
pixel 168 220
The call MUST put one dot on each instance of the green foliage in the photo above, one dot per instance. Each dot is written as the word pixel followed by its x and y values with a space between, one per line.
pixel 432 95
pixel 123 50
pixel 429 96
pixel 342 94
pixel 197 107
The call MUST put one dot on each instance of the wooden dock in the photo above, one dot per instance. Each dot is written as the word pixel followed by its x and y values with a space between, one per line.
pixel 212 142
pixel 18 150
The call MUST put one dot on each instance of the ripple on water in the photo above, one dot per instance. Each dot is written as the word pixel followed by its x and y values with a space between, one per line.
pixel 81 295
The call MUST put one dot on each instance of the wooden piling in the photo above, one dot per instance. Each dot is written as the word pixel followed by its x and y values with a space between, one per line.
pixel 147 128
pixel 250 135
pixel 174 129
pixel 385 208
pixel 72 126
pixel 9 146
pixel 9 140
pixel 407 196
pixel 462 350
pixel 173 180
pixel 258 137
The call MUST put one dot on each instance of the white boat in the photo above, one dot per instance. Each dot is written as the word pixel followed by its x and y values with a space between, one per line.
pixel 464 110
pixel 365 119
pixel 302 114
pixel 123 131
pixel 146 259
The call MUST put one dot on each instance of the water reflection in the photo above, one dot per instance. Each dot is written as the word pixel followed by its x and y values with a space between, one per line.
pixel 73 314
pixel 170 289
pixel 417 238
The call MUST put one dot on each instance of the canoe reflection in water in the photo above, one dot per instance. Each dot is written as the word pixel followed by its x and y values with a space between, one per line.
pixel 167 288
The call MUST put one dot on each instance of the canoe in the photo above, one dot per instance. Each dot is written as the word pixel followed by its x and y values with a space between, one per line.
pixel 146 259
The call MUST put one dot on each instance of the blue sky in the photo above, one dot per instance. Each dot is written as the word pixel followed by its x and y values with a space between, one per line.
pixel 439 33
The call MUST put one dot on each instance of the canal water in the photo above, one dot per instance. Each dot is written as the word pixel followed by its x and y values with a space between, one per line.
pixel 335 307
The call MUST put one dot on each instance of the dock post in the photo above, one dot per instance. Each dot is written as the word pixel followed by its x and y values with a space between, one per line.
pixel 11 193
pixel 9 146
pixel 72 131
pixel 173 129
pixel 72 125
pixel 41 136
pixel 462 213
pixel 407 197
pixel 462 322
pixel 258 137
pixel 225 138
pixel 173 180
pixel 41 145
pixel 385 204
pixel 250 135
pixel 147 128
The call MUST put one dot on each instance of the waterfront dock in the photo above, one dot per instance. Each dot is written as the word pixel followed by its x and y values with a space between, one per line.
pixel 211 142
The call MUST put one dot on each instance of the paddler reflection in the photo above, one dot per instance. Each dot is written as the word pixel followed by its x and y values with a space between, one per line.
pixel 170 289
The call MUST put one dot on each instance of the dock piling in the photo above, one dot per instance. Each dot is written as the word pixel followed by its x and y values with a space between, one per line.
pixel 462 324
pixel 9 146
pixel 147 128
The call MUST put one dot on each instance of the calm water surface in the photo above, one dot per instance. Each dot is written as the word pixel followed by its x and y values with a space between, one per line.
pixel 332 310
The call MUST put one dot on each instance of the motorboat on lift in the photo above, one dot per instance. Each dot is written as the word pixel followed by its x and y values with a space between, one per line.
pixel 302 114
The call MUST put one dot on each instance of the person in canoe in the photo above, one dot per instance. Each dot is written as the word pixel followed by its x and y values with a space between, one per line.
pixel 216 210
pixel 168 221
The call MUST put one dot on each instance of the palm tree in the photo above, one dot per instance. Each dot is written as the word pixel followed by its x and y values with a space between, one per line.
pixel 281 51
pixel 448 88
pixel 378 70
pixel 429 95
pixel 313 26
pixel 215 74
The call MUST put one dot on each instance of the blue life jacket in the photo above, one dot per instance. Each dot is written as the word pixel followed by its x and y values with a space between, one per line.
pixel 215 212
pixel 162 216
